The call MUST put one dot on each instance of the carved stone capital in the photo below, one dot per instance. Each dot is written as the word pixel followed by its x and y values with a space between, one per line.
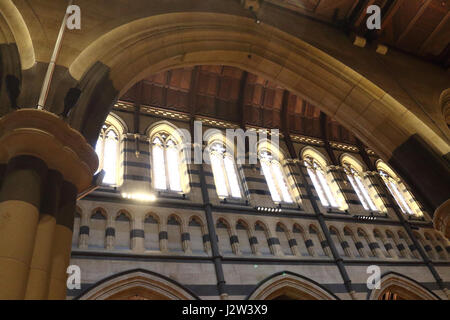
pixel 441 218
pixel 44 135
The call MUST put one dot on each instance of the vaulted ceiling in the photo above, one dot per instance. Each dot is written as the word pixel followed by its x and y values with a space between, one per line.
pixel 234 95
pixel 420 27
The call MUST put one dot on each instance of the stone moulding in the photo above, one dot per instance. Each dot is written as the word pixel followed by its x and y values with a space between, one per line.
pixel 44 135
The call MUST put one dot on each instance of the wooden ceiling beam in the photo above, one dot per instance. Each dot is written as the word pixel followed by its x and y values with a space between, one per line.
pixel 434 33
pixel 414 20
pixel 285 113
pixel 363 13
pixel 241 97
pixel 193 91
pixel 393 9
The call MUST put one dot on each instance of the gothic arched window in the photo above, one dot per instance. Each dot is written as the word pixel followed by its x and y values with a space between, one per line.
pixel 166 162
pixel 224 171
pixel 275 177
pixel 354 176
pixel 108 152
pixel 398 190
pixel 318 177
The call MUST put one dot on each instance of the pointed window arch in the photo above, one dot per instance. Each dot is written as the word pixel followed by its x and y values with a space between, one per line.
pixel 225 172
pixel 354 173
pixel 166 162
pixel 275 175
pixel 398 190
pixel 316 167
pixel 169 154
pixel 108 149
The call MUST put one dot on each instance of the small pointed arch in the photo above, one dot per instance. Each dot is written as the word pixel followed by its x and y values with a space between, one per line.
pixel 434 246
pixel 197 232
pixel 122 223
pixel 123 215
pixel 318 240
pixel 152 217
pixel 99 213
pixel 174 231
pixel 223 231
pixel 137 284
pixel 365 239
pixel 97 228
pixel 284 236
pixel 341 246
pixel 355 245
pixel 395 286
pixel 287 285
pixel 151 231
pixel 425 244
pixel 407 244
pixel 324 183
pixel 381 240
pixel 300 236
pixel 392 239
pixel 262 235
pixel 244 234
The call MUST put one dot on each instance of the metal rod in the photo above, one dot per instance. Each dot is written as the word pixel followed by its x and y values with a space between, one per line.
pixel 51 67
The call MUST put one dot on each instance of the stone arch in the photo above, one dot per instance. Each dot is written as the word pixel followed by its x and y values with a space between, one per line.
pixel 99 210
pixel 316 155
pixel 264 50
pixel 350 159
pixel 406 288
pixel 13 23
pixel 291 286
pixel 197 239
pixel 153 215
pixel 137 284
pixel 124 212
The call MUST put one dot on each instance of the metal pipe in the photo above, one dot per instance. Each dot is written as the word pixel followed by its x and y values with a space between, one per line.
pixel 51 67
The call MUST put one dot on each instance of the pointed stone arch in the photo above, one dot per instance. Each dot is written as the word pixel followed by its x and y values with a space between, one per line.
pixel 290 285
pixel 137 284
pixel 406 288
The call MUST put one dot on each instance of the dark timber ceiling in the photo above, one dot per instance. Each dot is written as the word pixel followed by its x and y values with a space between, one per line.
pixel 233 95
pixel 420 27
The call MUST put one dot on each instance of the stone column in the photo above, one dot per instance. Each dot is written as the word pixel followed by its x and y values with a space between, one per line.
pixel 110 232
pixel 163 236
pixel 20 198
pixel 206 240
pixel 137 236
pixel 253 242
pixel 185 238
pixel 37 288
pixel 374 246
pixel 32 142
pixel 234 240
pixel 293 244
pixel 83 240
pixel 62 242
